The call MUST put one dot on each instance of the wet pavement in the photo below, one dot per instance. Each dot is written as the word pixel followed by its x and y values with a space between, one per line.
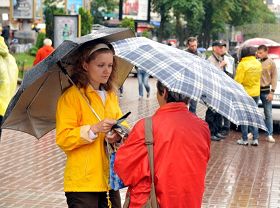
pixel 31 170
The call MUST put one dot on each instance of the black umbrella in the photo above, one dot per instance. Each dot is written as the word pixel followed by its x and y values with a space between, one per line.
pixel 32 109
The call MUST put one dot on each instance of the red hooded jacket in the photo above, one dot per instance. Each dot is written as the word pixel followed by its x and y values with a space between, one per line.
pixel 181 154
pixel 42 53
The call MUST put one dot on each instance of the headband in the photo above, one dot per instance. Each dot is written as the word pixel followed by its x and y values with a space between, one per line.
pixel 97 47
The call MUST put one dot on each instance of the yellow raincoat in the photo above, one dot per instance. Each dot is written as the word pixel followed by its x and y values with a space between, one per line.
pixel 248 74
pixel 8 76
pixel 87 165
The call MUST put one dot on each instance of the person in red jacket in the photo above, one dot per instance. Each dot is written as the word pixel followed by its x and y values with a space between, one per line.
pixel 43 52
pixel 181 154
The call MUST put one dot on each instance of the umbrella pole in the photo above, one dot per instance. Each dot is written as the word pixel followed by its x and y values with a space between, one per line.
pixel 69 78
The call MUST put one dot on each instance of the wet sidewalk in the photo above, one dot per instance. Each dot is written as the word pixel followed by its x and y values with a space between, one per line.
pixel 31 170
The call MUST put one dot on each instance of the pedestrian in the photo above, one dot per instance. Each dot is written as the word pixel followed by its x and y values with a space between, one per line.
pixel 181 147
pixel 219 129
pixel 44 51
pixel 192 48
pixel 8 77
pixel 6 34
pixel 248 74
pixel 268 86
pixel 81 135
pixel 143 79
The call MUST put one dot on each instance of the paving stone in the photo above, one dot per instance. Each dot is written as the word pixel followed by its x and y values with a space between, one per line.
pixel 31 170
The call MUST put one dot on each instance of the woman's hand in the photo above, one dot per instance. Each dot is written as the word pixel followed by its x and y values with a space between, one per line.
pixel 103 126
pixel 112 137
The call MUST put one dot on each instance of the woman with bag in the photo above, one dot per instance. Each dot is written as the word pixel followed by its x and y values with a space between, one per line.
pixel 82 135
pixel 181 149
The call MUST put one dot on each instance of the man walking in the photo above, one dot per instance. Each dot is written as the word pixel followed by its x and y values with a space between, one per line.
pixel 268 86
pixel 192 48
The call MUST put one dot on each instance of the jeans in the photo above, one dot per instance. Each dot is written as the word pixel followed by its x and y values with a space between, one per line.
pixel 254 130
pixel 143 78
pixel 267 107
pixel 193 105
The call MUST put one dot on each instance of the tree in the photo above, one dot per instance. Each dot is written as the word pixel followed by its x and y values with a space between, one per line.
pixel 99 7
pixel 87 20
pixel 128 23
pixel 50 10
pixel 163 8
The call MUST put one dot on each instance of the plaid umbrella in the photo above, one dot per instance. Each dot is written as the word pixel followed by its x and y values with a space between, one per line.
pixel 193 76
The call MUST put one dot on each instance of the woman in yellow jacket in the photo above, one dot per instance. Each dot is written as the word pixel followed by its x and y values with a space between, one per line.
pixel 248 74
pixel 81 135
pixel 8 77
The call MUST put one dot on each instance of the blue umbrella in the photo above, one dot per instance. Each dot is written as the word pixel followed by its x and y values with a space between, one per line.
pixel 193 76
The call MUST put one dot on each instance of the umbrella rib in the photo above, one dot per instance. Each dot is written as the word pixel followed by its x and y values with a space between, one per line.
pixel 27 108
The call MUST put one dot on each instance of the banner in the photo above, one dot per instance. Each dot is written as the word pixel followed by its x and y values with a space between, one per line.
pixel 22 9
pixel 136 9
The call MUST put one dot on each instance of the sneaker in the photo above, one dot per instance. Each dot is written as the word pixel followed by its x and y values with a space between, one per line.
pixel 220 135
pixel 250 136
pixel 214 138
pixel 255 142
pixel 242 142
pixel 270 139
pixel 148 94
pixel 224 132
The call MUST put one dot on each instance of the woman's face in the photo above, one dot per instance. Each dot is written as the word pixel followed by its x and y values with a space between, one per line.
pixel 99 69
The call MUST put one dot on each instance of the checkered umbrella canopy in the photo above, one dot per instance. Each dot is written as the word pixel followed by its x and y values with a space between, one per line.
pixel 193 76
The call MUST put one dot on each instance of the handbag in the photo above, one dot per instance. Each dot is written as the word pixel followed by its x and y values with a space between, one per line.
pixel 114 180
pixel 149 141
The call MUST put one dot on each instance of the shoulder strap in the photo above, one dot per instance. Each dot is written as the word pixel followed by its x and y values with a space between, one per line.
pixel 149 141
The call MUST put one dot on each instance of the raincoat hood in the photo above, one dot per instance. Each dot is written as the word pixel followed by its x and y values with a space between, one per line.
pixel 3 47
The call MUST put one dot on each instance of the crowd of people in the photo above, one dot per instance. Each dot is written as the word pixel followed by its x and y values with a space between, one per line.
pixel 184 148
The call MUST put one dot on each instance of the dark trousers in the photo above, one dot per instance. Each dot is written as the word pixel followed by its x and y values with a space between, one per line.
pixel 214 121
pixel 193 105
pixel 93 199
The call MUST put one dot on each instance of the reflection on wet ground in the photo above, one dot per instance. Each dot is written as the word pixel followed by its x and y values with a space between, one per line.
pixel 31 171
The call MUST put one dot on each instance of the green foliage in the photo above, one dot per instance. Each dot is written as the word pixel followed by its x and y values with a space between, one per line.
pixel 146 34
pixel 50 10
pixel 86 21
pixel 128 23
pixel 40 40
pixel 39 43
pixel 208 18
pixel 100 7
pixel 33 50
pixel 24 61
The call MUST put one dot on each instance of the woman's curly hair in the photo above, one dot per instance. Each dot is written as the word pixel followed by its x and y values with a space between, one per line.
pixel 80 76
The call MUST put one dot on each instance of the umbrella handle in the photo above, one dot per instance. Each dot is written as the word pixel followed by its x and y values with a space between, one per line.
pixel 59 63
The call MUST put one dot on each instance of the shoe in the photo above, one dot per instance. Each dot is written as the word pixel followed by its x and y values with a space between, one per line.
pixel 242 142
pixel 255 142
pixel 250 136
pixel 148 94
pixel 121 95
pixel 220 135
pixel 140 98
pixel 270 139
pixel 224 132
pixel 214 138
